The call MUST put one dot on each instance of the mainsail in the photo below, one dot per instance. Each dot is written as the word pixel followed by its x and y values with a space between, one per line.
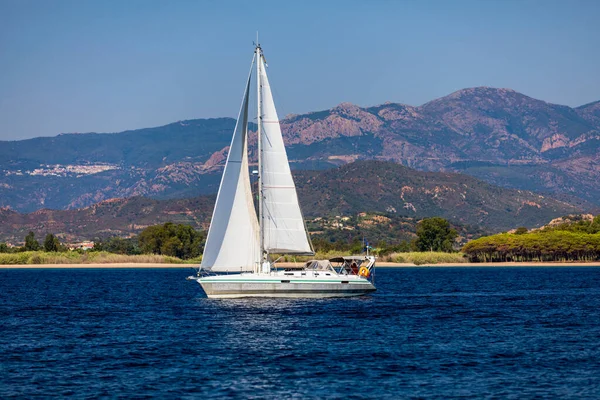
pixel 233 237
pixel 282 223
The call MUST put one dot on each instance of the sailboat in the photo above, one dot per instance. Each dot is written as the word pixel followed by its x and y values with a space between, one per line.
pixel 238 259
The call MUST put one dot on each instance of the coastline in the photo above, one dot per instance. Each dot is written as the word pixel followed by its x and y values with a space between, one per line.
pixel 493 264
pixel 97 265
pixel 288 264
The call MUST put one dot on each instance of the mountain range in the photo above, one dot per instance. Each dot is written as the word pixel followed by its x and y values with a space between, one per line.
pixel 400 196
pixel 497 135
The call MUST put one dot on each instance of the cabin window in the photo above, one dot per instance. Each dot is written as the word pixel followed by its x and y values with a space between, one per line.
pixel 285 281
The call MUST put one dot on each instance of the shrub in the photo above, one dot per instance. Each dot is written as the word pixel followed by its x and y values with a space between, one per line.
pixel 40 257
pixel 427 257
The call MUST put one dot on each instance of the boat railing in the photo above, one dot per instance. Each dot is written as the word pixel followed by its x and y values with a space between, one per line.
pixel 353 265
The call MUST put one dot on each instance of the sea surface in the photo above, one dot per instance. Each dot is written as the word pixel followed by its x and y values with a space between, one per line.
pixel 426 333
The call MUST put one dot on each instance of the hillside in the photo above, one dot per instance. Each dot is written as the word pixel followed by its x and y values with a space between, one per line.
pixel 498 135
pixel 399 194
pixel 114 217
pixel 391 188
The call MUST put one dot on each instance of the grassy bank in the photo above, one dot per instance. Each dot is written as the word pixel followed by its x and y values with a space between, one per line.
pixel 103 257
pixel 427 257
pixel 417 258
pixel 95 257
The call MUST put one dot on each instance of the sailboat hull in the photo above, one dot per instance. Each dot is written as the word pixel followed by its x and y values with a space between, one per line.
pixel 252 286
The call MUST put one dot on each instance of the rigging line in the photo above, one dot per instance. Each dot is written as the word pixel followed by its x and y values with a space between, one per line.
pixel 270 216
pixel 259 135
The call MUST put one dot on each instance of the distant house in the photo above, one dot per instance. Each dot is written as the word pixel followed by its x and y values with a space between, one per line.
pixel 81 246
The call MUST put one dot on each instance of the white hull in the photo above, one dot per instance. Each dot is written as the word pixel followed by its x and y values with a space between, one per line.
pixel 289 295
pixel 279 284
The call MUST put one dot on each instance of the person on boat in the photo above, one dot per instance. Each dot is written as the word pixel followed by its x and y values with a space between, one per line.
pixel 354 268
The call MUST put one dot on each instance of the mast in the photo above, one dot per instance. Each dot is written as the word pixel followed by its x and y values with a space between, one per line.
pixel 260 156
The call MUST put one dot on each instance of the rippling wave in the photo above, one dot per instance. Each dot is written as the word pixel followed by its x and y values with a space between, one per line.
pixel 426 332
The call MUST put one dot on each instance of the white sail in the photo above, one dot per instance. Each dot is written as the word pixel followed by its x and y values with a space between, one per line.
pixel 233 237
pixel 282 223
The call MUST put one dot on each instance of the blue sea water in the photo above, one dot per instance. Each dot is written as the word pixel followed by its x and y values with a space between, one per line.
pixel 426 333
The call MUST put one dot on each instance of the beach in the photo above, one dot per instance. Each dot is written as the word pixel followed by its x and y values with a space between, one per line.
pixel 100 265
pixel 493 264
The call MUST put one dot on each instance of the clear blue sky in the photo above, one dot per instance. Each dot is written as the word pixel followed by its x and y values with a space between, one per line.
pixel 108 66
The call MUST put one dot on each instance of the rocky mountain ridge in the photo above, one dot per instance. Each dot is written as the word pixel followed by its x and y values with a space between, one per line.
pixel 498 135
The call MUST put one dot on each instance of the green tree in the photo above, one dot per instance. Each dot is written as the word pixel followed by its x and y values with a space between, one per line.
pixel 521 230
pixel 595 227
pixel 98 245
pixel 170 239
pixel 3 248
pixel 321 244
pixel 51 243
pixel 403 247
pixel 116 245
pixel 172 246
pixel 119 245
pixel 544 245
pixel 435 234
pixel 30 243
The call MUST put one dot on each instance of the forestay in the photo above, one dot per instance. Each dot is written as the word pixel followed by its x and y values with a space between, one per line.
pixel 233 237
pixel 282 223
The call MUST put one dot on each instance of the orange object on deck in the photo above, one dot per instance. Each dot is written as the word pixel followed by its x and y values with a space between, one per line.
pixel 364 272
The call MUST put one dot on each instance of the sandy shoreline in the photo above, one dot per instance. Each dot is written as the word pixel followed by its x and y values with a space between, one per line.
pixel 97 265
pixel 498 264
pixel 378 265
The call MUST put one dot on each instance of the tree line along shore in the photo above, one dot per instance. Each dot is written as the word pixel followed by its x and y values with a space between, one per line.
pixel 572 241
pixel 568 242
